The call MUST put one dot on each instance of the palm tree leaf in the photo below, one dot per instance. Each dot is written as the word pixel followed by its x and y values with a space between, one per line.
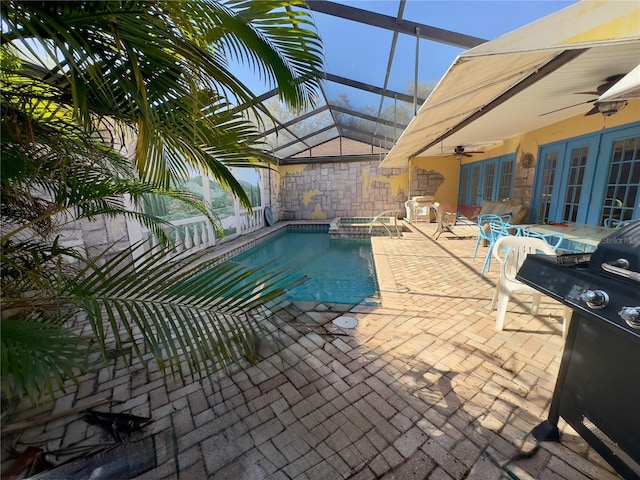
pixel 36 356
pixel 111 69
pixel 268 35
pixel 192 306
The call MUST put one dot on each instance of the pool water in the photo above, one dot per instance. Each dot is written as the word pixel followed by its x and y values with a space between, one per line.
pixel 338 270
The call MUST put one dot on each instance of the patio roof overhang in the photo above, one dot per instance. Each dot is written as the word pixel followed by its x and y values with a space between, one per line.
pixel 525 80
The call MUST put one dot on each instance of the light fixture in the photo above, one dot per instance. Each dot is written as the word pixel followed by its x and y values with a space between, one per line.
pixel 457 156
pixel 609 108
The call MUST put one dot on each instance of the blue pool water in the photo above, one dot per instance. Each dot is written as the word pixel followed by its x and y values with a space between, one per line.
pixel 338 270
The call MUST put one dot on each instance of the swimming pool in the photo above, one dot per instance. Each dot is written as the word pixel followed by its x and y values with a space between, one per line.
pixel 338 270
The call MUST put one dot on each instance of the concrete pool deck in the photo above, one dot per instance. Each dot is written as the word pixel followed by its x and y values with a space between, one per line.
pixel 423 387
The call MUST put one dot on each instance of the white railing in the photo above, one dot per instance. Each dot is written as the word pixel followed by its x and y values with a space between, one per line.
pixel 197 232
pixel 194 232
pixel 378 219
pixel 251 221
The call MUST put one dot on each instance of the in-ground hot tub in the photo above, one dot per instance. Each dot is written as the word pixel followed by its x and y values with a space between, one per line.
pixel 366 227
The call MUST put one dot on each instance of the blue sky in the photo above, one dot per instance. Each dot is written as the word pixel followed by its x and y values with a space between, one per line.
pixel 481 18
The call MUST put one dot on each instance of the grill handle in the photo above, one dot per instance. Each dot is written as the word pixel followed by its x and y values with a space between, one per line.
pixel 631 275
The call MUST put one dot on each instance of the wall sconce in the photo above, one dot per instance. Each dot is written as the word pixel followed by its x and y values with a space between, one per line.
pixel 609 108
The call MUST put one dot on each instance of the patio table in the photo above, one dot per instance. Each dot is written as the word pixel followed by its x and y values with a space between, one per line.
pixel 578 237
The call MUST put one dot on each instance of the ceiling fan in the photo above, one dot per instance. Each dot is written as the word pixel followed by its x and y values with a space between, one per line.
pixel 600 89
pixel 460 152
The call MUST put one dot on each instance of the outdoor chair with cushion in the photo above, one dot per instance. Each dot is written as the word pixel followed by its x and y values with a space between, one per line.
pixel 516 210
pixel 510 251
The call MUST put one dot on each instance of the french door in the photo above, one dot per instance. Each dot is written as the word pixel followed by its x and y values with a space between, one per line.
pixel 487 180
pixel 589 179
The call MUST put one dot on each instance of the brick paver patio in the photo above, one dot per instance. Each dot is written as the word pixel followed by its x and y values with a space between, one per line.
pixel 423 387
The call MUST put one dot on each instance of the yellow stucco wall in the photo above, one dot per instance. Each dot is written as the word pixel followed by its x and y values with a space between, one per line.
pixel 447 194
pixel 449 167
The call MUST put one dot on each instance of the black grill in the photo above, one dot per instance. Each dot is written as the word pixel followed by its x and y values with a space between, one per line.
pixel 598 386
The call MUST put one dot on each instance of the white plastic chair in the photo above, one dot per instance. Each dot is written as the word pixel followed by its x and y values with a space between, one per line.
pixel 419 208
pixel 410 206
pixel 510 252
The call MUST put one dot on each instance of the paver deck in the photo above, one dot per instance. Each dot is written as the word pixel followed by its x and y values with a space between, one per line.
pixel 423 387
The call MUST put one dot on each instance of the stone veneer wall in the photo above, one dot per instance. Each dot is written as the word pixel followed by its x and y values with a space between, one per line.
pixel 96 236
pixel 270 186
pixel 425 182
pixel 103 233
pixel 523 181
pixel 318 191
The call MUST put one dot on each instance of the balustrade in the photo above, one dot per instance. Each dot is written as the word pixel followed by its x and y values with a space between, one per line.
pixel 198 233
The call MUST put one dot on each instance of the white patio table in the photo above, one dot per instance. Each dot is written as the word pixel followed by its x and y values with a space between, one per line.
pixel 588 236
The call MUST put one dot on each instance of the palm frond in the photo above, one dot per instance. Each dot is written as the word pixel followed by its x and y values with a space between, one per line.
pixel 38 356
pixel 130 60
pixel 191 314
pixel 278 39
pixel 34 265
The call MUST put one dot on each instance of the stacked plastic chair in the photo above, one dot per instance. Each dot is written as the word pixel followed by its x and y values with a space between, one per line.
pixel 615 223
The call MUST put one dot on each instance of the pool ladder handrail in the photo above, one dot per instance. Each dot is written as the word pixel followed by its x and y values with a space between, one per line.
pixel 395 222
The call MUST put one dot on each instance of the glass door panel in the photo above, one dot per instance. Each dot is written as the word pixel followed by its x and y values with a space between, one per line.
pixel 548 176
pixel 489 181
pixel 476 192
pixel 621 192
pixel 575 179
pixel 463 194
pixel 505 187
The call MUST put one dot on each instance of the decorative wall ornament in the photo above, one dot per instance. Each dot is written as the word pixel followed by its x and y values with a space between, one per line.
pixel 527 160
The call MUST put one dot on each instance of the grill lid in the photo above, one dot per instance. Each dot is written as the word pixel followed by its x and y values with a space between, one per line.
pixel 619 253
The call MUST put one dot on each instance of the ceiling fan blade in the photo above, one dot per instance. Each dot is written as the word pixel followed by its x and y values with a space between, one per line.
pixel 568 106
pixel 593 111
pixel 586 93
